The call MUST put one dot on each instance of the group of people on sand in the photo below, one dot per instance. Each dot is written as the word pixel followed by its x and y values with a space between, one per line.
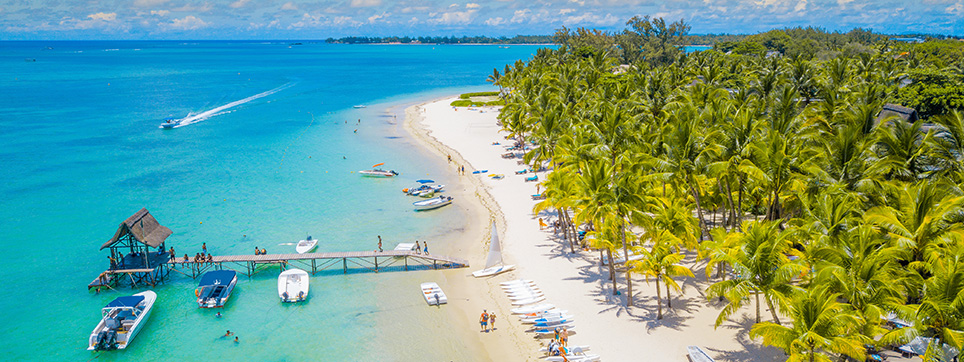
pixel 559 344
pixel 487 321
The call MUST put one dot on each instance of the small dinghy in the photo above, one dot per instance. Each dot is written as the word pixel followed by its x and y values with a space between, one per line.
pixel 307 245
pixel 528 301
pixel 433 203
pixel 539 308
pixel 122 319
pixel 215 288
pixel 293 286
pixel 433 294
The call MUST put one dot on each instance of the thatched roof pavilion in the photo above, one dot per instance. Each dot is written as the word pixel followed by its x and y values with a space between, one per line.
pixel 143 228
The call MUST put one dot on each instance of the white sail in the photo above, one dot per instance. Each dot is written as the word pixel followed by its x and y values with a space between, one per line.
pixel 495 249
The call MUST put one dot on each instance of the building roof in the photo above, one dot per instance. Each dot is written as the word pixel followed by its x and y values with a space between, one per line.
pixel 894 110
pixel 143 227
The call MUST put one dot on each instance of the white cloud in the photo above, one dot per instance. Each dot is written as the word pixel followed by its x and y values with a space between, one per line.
pixel 160 12
pixel 203 8
pixel 453 17
pixel 103 16
pixel 372 19
pixel 149 3
pixel 495 21
pixel 566 11
pixel 472 6
pixel 956 9
pixel 365 3
pixel 801 6
pixel 239 4
pixel 520 16
pixel 189 22
pixel 590 18
pixel 289 6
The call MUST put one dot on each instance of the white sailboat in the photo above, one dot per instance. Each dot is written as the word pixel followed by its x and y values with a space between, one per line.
pixel 494 264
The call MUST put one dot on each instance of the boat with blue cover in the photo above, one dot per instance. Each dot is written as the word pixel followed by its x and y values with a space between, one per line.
pixel 122 319
pixel 215 288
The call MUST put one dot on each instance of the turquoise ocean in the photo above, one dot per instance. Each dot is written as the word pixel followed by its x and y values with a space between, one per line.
pixel 270 159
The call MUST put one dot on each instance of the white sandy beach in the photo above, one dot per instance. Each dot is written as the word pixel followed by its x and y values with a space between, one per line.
pixel 575 282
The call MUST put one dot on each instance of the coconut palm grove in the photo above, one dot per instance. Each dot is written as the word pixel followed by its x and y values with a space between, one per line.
pixel 817 176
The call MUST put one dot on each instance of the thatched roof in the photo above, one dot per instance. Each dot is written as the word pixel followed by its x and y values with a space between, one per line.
pixel 892 110
pixel 145 229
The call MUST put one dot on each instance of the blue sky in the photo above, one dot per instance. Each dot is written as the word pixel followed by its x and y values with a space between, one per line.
pixel 316 19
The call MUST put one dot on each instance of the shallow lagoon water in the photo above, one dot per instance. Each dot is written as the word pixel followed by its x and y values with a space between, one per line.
pixel 81 151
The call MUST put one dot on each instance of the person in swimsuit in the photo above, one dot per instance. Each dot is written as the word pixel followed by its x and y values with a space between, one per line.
pixel 379 243
pixel 491 319
pixel 484 321
pixel 425 249
pixel 418 249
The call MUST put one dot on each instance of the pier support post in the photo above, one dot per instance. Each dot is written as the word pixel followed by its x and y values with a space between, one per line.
pixel 313 268
pixel 406 263
pixel 344 264
pixel 376 264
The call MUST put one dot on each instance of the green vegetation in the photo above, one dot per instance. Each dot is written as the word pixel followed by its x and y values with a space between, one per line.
pixel 778 170
pixel 478 99
pixel 518 39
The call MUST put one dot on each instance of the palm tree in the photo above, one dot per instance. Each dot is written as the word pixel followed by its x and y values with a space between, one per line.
pixel 821 325
pixel 761 267
pixel 661 262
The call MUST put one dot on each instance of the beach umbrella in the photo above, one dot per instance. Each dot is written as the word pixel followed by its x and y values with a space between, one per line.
pixel 424 181
pixel 378 164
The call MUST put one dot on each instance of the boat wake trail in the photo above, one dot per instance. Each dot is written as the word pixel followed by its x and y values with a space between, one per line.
pixel 195 118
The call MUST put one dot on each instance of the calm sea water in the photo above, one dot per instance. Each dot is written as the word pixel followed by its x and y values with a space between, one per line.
pixel 80 151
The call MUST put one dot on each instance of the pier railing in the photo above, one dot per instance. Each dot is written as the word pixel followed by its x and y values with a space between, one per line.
pixel 374 261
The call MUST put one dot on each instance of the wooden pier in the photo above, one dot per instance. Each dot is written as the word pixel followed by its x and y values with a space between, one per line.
pixel 374 261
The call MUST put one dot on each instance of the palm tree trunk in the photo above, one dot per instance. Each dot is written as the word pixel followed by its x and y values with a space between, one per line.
pixel 612 268
pixel 699 211
pixel 729 197
pixel 659 301
pixel 773 311
pixel 757 307
pixel 739 211
pixel 629 277
pixel 669 299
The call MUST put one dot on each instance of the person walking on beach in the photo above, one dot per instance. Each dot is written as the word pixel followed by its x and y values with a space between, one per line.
pixel 492 320
pixel 484 321
pixel 379 243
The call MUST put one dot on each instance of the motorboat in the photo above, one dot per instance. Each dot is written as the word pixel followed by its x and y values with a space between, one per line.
pixel 170 123
pixel 493 263
pixel 433 294
pixel 359 106
pixel 378 173
pixel 425 188
pixel 215 288
pixel 433 203
pixel 293 285
pixel 538 308
pixel 307 245
pixel 121 319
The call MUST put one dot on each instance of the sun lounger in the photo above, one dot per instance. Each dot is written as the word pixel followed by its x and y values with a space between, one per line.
pixel 538 197
pixel 522 172
pixel 697 355
pixel 532 178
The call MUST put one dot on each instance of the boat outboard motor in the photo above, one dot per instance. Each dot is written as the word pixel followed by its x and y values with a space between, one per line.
pixel 107 340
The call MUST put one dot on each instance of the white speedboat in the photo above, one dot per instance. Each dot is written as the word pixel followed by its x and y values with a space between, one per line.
pixel 122 319
pixel 293 285
pixel 359 106
pixel 215 288
pixel 170 123
pixel 377 172
pixel 433 203
pixel 433 294
pixel 307 245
